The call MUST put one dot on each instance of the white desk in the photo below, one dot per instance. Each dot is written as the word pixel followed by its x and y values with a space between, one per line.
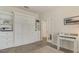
pixel 60 38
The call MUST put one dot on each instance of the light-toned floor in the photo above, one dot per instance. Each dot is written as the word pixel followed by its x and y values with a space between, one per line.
pixel 36 47
pixel 46 49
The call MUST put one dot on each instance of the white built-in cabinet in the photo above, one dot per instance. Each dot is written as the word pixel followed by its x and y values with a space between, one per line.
pixel 6 39
pixel 23 31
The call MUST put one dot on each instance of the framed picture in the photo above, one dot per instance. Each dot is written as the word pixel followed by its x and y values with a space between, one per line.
pixel 71 20
pixel 6 22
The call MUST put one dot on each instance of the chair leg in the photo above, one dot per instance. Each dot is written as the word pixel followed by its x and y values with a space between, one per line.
pixel 58 44
pixel 75 46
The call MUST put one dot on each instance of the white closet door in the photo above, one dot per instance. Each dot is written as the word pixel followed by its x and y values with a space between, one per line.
pixel 29 33
pixel 25 30
pixel 18 29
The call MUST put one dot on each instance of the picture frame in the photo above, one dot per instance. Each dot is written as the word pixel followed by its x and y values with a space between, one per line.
pixel 71 20
pixel 6 21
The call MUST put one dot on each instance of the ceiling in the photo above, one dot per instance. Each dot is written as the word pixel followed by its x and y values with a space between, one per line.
pixel 37 9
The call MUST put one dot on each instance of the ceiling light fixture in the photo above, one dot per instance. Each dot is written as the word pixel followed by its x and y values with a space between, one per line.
pixel 26 7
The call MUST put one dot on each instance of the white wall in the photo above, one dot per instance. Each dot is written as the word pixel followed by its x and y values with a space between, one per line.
pixel 56 16
pixel 10 39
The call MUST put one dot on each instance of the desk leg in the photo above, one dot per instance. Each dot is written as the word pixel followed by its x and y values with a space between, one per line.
pixel 75 46
pixel 58 44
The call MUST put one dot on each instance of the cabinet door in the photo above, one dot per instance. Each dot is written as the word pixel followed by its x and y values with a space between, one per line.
pixel 6 40
pixel 10 39
pixel 3 40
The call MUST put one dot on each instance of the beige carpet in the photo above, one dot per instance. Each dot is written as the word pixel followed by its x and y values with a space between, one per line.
pixel 47 49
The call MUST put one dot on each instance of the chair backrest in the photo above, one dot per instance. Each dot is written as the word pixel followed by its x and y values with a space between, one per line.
pixel 68 35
